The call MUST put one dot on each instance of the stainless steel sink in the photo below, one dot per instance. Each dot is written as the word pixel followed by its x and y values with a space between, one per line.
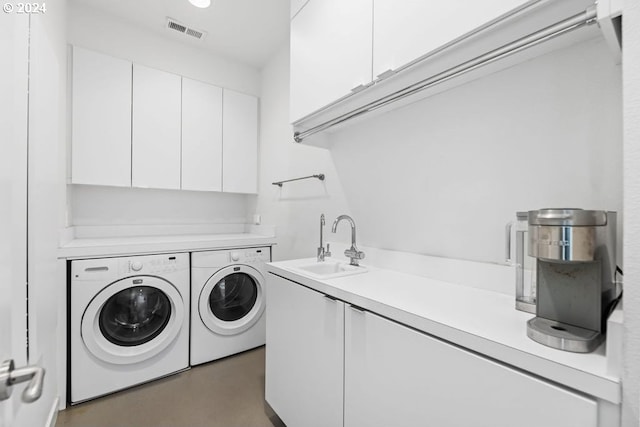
pixel 329 269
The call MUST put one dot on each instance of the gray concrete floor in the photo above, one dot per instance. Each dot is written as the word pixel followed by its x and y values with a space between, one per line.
pixel 225 393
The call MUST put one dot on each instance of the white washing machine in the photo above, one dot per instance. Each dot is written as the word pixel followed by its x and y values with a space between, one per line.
pixel 129 322
pixel 227 302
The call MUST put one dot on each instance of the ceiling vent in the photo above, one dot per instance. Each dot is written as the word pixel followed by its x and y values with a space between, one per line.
pixel 174 25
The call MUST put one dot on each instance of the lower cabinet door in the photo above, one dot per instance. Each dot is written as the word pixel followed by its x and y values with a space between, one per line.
pixel 304 355
pixel 396 376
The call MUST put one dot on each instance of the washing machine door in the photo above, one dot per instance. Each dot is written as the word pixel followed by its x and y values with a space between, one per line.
pixel 132 319
pixel 232 300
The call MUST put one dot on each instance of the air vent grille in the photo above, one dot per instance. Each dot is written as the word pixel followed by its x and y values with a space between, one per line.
pixel 174 25
pixel 194 33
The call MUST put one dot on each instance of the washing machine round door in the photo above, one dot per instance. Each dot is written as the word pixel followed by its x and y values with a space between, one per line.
pixel 132 319
pixel 232 300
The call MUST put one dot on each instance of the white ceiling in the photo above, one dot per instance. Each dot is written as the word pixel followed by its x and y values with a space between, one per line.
pixel 247 31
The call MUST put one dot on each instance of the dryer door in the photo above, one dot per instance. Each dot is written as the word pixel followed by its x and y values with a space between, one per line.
pixel 232 300
pixel 132 319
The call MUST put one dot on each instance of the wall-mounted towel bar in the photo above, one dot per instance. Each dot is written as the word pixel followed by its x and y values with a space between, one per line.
pixel 589 16
pixel 320 176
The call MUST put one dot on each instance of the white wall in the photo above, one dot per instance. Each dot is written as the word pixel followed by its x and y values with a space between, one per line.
pixel 97 30
pixel 442 176
pixel 97 205
pixel 94 205
pixel 296 207
pixel 631 349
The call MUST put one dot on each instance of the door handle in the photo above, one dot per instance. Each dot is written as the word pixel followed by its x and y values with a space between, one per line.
pixel 9 376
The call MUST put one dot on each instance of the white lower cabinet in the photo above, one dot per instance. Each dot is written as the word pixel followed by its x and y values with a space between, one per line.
pixel 329 363
pixel 304 355
pixel 396 376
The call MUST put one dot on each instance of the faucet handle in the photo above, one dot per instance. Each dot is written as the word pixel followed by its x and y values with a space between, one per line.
pixel 354 254
pixel 327 252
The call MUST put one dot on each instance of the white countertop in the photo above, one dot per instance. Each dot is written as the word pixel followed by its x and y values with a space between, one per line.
pixel 137 245
pixel 476 319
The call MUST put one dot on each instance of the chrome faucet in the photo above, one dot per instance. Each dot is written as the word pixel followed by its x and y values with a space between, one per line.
pixel 353 251
pixel 322 252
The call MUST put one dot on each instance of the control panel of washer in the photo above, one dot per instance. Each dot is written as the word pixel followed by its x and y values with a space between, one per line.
pixel 104 269
pixel 154 264
pixel 250 255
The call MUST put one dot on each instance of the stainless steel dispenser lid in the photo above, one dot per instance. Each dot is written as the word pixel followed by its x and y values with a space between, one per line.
pixel 564 234
pixel 568 217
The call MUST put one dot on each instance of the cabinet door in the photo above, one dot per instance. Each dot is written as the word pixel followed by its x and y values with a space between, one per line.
pixel 330 53
pixel 239 142
pixel 408 29
pixel 304 355
pixel 156 128
pixel 101 119
pixel 201 136
pixel 396 376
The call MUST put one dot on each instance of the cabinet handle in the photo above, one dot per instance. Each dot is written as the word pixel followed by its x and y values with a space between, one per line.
pixel 359 88
pixel 385 74
pixel 329 297
pixel 356 308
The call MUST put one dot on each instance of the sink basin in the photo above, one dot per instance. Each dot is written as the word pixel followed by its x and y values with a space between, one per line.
pixel 330 269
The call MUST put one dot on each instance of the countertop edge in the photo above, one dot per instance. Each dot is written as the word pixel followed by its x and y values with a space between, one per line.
pixel 601 387
pixel 131 246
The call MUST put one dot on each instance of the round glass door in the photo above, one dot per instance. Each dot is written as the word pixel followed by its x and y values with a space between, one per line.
pixel 132 319
pixel 232 300
pixel 135 315
pixel 233 297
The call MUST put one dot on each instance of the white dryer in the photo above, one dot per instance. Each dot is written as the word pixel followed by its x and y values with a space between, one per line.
pixel 129 322
pixel 227 302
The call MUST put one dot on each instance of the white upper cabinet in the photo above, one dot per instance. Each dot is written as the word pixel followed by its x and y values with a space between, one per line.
pixel 330 53
pixel 390 48
pixel 240 143
pixel 201 136
pixel 409 29
pixel 101 119
pixel 156 128
pixel 137 126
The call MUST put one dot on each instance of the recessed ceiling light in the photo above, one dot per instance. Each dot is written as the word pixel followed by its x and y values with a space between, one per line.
pixel 201 3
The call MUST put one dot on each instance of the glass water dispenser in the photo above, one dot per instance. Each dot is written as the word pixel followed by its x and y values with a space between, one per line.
pixel 525 264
